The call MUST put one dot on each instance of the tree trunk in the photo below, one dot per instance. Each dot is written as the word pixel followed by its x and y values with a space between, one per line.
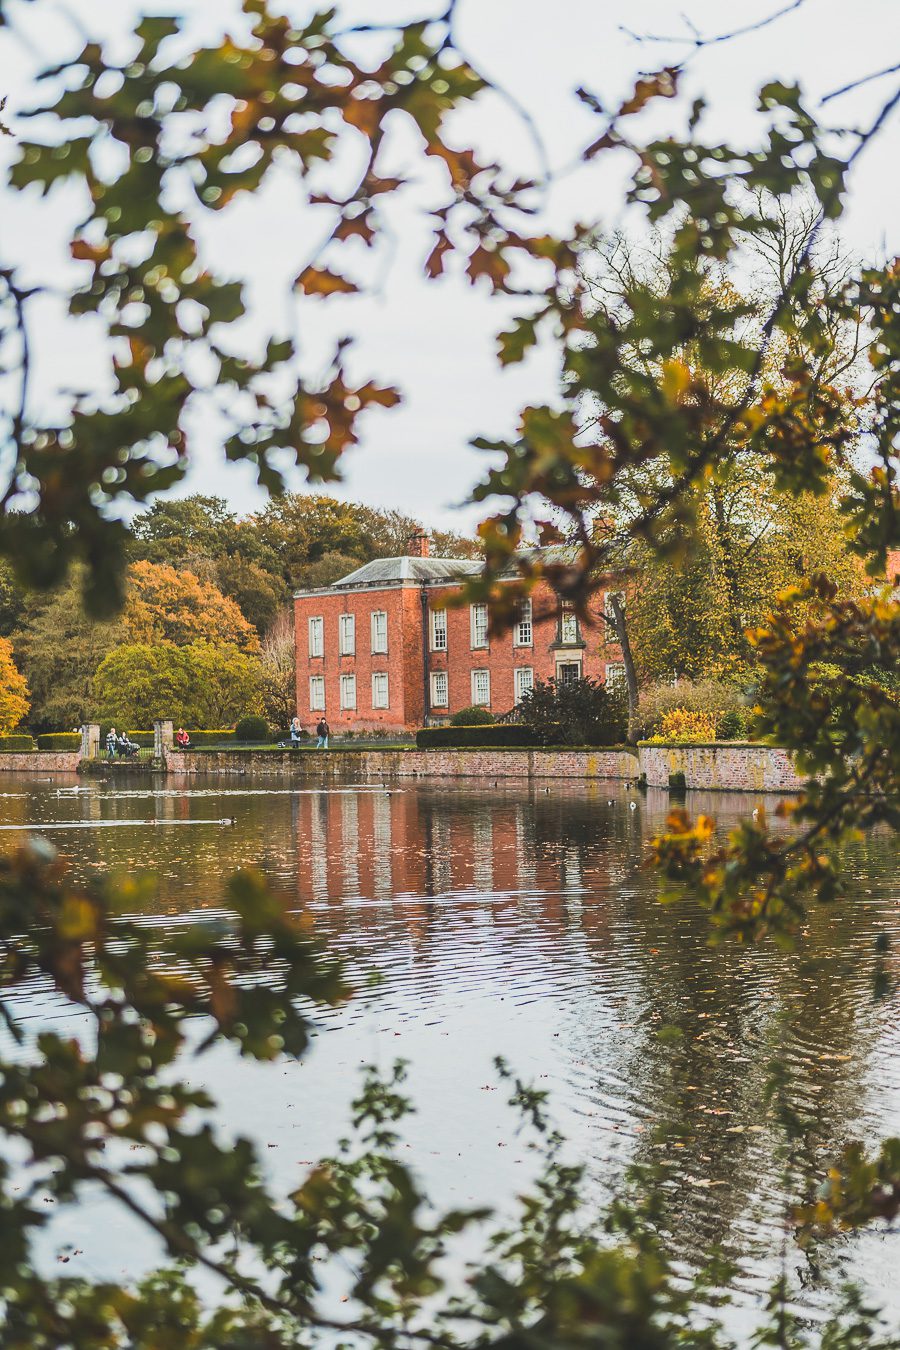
pixel 631 683
pixel 729 570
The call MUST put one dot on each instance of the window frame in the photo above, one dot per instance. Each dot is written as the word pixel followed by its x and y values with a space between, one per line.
pixel 346 625
pixel 524 621
pixel 475 612
pixel 376 649
pixel 381 675
pixel 435 701
pixel 347 681
pixel 519 671
pixel 316 680
pixel 567 615
pixel 607 607
pixel 316 624
pixel 435 645
pixel 567 665
pixel 620 683
pixel 476 701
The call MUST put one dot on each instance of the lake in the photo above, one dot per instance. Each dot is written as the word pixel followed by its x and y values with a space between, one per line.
pixel 514 919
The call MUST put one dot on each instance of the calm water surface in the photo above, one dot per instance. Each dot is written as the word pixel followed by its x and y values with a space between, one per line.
pixel 517 920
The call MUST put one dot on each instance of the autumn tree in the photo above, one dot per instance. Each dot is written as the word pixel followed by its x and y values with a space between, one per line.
pixel 14 702
pixel 165 605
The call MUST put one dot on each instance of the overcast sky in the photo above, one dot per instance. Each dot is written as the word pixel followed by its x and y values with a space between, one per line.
pixel 437 340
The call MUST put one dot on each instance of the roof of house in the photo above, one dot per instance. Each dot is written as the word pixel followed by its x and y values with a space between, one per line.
pixel 388 571
pixel 405 568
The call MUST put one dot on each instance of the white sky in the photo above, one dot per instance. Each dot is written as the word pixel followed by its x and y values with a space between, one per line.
pixel 436 341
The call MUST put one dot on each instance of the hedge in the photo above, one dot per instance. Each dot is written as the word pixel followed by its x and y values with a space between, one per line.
pixel 458 738
pixel 223 737
pixel 59 740
pixel 13 743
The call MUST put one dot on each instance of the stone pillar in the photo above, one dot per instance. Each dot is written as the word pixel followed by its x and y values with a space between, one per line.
pixel 90 740
pixel 163 738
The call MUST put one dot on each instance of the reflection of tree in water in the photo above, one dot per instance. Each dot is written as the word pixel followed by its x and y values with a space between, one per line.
pixel 735 1012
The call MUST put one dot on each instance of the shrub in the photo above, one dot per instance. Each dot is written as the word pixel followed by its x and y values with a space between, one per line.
pixel 714 698
pixel 509 734
pixel 734 725
pixel 252 729
pixel 13 743
pixel 59 740
pixel 472 717
pixel 583 712
pixel 683 724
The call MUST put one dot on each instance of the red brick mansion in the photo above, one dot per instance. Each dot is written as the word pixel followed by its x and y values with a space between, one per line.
pixel 380 650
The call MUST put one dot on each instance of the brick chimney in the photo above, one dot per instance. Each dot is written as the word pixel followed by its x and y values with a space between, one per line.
pixel 418 545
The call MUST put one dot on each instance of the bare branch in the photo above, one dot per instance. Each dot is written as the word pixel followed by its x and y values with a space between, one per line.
pixel 697 40
pixel 857 84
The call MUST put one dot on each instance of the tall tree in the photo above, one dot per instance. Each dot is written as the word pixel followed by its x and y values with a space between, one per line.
pixel 14 702
pixel 165 605
pixel 59 649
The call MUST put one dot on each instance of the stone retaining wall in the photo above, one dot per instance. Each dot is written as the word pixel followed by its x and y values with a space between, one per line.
pixel 722 768
pixel 40 761
pixel 378 764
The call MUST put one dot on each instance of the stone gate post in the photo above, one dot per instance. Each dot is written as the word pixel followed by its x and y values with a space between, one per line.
pixel 163 738
pixel 90 740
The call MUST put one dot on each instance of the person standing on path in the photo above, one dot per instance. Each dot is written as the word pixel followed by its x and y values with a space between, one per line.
pixel 111 740
pixel 323 732
pixel 296 732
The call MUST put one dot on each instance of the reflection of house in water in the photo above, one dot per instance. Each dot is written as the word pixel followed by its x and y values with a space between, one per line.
pixel 409 847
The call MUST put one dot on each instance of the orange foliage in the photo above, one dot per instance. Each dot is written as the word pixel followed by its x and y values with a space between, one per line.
pixel 14 703
pixel 166 605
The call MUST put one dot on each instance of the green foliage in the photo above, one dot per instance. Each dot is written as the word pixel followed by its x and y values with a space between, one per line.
pixel 59 740
pixel 13 743
pixel 581 712
pixel 199 683
pixel 475 737
pixel 59 649
pixel 253 729
pixel 845 735
pixel 472 717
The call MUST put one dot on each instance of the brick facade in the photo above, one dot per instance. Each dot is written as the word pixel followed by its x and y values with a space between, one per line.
pixel 409 591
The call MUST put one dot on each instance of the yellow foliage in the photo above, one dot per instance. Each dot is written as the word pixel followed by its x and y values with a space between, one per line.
pixel 684 724
pixel 14 696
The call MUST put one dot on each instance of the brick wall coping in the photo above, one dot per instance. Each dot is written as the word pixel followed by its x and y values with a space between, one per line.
pixel 706 745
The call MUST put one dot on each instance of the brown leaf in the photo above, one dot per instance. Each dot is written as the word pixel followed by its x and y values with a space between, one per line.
pixel 322 281
pixel 434 263
pixel 664 84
